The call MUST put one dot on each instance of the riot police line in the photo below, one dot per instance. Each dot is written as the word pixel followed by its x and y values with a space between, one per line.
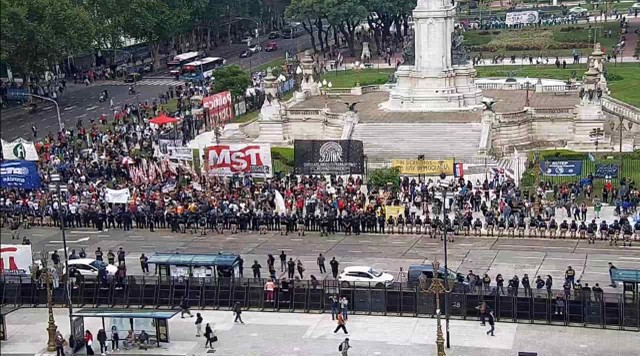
pixel 619 311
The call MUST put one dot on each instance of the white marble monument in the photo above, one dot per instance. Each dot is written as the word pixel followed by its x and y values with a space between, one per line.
pixel 270 118
pixel 589 115
pixel 442 79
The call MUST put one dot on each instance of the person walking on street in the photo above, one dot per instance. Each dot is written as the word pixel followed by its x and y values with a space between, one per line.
pixel 341 324
pixel 492 322
pixel 334 267
pixel 320 261
pixel 283 261
pixel 291 268
pixel 300 269
pixel 344 347
pixel 237 311
pixel 612 269
pixel 198 324
pixel 184 308
pixel 344 306
pixel 256 269
pixel 59 341
pixel 334 306
pixel 144 264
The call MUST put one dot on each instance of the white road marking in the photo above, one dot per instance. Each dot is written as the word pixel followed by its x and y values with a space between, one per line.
pixel 72 241
pixel 80 116
pixel 84 232
pixel 355 251
pixel 90 108
pixel 69 107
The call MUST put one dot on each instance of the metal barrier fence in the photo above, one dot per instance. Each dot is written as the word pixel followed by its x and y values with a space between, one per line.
pixel 619 311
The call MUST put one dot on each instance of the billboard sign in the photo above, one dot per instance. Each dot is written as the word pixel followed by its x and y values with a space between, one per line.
pixel 606 171
pixel 425 167
pixel 522 18
pixel 232 159
pixel 19 174
pixel 561 168
pixel 340 157
pixel 15 259
pixel 220 107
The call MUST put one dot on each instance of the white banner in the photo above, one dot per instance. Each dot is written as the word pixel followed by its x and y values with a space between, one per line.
pixel 15 259
pixel 522 17
pixel 164 144
pixel 181 153
pixel 120 196
pixel 229 160
pixel 19 149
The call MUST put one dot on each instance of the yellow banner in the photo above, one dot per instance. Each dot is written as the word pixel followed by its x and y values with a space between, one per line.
pixel 432 167
pixel 393 211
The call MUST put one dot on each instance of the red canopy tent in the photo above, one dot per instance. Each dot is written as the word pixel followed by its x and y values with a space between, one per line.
pixel 163 119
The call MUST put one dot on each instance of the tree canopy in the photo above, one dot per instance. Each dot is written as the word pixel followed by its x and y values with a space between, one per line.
pixel 232 78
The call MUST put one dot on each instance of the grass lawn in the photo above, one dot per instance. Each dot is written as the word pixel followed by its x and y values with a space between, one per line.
pixel 624 82
pixel 247 117
pixel 549 41
pixel 282 159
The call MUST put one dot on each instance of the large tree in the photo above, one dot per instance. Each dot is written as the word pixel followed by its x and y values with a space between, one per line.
pixel 232 78
pixel 308 12
pixel 38 34
pixel 346 15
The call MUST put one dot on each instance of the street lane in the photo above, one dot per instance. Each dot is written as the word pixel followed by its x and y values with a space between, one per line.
pixel 507 256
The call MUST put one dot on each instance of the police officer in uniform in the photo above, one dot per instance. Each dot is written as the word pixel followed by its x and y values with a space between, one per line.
pixel 477 227
pixel 564 227
pixel 99 254
pixel 592 229
pixel 553 228
pixel 573 229
pixel 570 275
pixel 582 230
pixel 604 228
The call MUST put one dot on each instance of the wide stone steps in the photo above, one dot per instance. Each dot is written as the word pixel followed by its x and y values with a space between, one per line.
pixel 384 141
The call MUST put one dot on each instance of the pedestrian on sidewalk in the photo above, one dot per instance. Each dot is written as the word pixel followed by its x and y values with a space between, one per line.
pixel 115 339
pixel 283 261
pixel 102 339
pixel 334 267
pixel 59 341
pixel 300 269
pixel 144 264
pixel 344 306
pixel 344 347
pixel 88 341
pixel 492 322
pixel 184 306
pixel 237 311
pixel 198 324
pixel 341 324
pixel 210 336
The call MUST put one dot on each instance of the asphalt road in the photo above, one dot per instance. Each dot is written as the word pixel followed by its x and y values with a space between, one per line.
pixel 81 102
pixel 386 252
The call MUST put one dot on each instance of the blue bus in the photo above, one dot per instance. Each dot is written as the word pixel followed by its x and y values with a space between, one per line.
pixel 201 69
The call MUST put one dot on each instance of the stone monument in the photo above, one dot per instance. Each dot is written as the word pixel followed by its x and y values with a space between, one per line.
pixel 441 78
pixel 589 115
pixel 270 117
pixel 308 86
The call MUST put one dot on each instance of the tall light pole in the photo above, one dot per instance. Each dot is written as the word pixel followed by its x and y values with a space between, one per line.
pixel 55 179
pixel 436 288
pixel 46 278
pixel 443 188
pixel 60 124
pixel 621 128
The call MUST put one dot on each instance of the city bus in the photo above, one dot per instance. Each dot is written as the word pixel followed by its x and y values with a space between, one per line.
pixel 201 69
pixel 294 30
pixel 179 60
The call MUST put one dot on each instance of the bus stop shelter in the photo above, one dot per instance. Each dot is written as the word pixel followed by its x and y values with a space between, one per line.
pixel 630 279
pixel 221 265
pixel 158 320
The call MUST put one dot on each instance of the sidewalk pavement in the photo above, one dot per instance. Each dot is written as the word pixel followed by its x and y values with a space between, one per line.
pixel 294 334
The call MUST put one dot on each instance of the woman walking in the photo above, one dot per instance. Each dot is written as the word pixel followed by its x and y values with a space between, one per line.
pixel 209 335
pixel 115 339
pixel 102 339
pixel 88 340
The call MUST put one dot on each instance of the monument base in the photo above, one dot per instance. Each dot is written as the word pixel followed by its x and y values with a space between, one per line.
pixel 443 92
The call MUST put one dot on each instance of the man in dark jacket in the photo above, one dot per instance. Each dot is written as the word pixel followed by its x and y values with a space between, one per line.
pixel 237 311
pixel 492 322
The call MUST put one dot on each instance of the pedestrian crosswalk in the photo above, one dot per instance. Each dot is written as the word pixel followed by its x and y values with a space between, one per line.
pixel 145 82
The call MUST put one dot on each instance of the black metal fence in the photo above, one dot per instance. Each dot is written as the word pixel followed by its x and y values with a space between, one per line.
pixel 603 311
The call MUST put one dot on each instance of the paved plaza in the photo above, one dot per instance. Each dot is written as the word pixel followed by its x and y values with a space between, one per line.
pixel 294 334
pixel 492 255
pixel 368 111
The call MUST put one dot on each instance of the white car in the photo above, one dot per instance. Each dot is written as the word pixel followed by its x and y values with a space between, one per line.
pixel 255 48
pixel 363 276
pixel 246 39
pixel 579 11
pixel 89 266
pixel 636 5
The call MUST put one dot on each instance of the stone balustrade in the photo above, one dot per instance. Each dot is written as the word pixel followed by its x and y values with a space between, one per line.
pixel 621 109
pixel 512 116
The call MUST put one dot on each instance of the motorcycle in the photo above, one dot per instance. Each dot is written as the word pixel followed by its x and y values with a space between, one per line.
pixel 102 98
pixel 132 91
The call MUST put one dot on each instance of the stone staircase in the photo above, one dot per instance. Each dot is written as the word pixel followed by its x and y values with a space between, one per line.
pixel 386 141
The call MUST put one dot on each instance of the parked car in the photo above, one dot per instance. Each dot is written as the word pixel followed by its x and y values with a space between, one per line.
pixel 636 6
pixel 414 272
pixel 246 53
pixel 133 77
pixel 89 266
pixel 271 46
pixel 363 276
pixel 247 39
pixel 274 35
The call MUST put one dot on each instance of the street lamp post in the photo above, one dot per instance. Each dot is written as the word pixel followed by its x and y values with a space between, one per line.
pixel 46 278
pixel 443 189
pixel 621 128
pixel 595 135
pixel 60 124
pixel 55 179
pixel 436 288
pixel 527 85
